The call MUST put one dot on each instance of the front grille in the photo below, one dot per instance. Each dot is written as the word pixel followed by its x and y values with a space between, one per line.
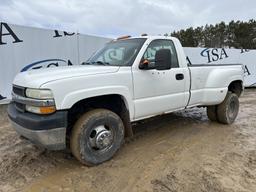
pixel 20 107
pixel 18 90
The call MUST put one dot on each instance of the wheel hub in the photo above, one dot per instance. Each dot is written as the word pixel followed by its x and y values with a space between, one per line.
pixel 101 137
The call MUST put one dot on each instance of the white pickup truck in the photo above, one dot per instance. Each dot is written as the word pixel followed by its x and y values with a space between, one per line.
pixel 89 108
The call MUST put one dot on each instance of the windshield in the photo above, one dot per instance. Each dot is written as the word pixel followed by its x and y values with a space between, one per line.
pixel 117 53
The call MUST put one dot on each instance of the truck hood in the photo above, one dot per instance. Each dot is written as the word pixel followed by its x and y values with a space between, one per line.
pixel 35 78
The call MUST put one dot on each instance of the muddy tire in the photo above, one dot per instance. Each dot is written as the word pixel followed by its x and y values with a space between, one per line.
pixel 212 112
pixel 227 111
pixel 96 136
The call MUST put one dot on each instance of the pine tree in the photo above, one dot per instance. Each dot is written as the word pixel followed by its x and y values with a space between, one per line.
pixel 235 34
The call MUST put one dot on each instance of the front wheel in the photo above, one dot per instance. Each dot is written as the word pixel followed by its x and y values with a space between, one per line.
pixel 96 136
pixel 227 111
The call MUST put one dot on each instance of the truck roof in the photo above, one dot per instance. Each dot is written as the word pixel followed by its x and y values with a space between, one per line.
pixel 152 37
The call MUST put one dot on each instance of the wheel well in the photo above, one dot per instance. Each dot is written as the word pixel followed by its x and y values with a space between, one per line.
pixel 115 103
pixel 236 87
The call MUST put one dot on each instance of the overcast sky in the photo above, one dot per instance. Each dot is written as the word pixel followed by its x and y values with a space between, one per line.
pixel 118 17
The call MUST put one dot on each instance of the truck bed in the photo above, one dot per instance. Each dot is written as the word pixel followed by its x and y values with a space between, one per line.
pixel 207 86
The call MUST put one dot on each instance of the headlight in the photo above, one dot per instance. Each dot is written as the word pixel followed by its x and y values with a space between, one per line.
pixel 40 110
pixel 39 93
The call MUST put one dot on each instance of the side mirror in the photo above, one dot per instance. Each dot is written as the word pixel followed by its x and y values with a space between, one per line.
pixel 144 64
pixel 163 59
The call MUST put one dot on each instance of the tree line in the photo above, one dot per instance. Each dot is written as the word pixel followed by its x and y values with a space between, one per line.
pixel 235 34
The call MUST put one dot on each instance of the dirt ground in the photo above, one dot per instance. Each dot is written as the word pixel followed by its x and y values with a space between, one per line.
pixel 182 151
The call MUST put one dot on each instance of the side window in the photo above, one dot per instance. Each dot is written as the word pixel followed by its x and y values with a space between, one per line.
pixel 154 46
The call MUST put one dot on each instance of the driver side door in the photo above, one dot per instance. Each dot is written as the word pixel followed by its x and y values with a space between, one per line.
pixel 158 91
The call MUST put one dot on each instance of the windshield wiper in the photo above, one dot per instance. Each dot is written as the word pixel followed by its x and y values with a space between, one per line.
pixel 102 63
pixel 96 62
pixel 86 63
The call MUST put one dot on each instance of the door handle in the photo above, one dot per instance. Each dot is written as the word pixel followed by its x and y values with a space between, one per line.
pixel 179 76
